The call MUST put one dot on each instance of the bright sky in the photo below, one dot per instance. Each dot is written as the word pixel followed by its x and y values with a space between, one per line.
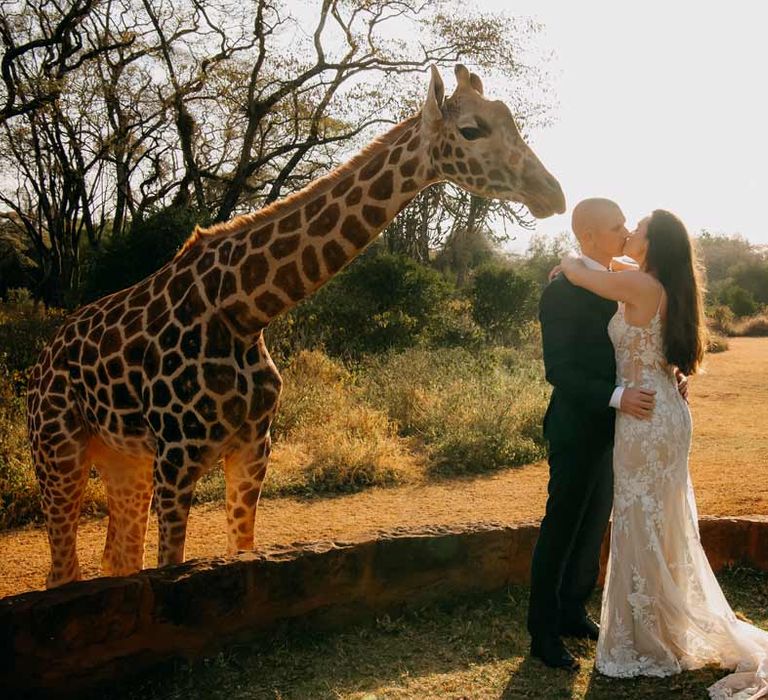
pixel 662 104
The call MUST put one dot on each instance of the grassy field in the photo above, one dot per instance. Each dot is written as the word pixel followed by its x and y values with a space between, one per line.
pixel 471 649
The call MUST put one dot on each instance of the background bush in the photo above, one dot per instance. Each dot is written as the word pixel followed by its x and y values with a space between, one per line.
pixel 148 245
pixel 25 327
pixel 473 413
pixel 503 300
pixel 382 302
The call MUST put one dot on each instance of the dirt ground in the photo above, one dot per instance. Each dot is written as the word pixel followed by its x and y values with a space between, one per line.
pixel 729 465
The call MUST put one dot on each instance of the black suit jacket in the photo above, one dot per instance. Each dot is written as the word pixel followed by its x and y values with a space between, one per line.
pixel 580 365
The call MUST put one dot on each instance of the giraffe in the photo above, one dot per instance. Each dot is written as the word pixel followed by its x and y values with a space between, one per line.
pixel 154 384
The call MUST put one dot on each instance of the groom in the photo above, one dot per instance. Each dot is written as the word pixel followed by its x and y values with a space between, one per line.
pixel 579 425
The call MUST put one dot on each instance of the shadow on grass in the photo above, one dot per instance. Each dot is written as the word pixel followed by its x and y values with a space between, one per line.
pixel 470 649
pixel 691 684
pixel 532 679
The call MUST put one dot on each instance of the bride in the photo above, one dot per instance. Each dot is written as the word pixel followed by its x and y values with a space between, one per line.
pixel 663 610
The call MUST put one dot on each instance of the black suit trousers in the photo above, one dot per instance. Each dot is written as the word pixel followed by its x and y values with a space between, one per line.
pixel 566 558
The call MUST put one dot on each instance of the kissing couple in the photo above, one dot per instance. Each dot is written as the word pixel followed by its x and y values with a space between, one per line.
pixel 619 341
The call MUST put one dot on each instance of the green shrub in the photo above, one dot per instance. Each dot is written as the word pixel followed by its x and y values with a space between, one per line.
pixel 502 301
pixel 739 300
pixel 19 298
pixel 19 494
pixel 147 246
pixel 452 325
pixel 24 329
pixel 472 412
pixel 752 276
pixel 721 320
pixel 381 302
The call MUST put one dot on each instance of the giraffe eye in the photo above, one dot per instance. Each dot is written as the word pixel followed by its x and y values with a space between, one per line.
pixel 471 133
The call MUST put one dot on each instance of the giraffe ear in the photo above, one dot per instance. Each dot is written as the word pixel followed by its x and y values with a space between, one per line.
pixel 462 74
pixel 431 112
pixel 475 82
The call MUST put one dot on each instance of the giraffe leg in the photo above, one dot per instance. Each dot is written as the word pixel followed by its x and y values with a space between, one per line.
pixel 129 492
pixel 60 456
pixel 244 472
pixel 174 483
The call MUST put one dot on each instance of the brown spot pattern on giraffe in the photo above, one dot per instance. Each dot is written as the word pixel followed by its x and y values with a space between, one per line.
pixel 310 263
pixel 314 207
pixel 343 186
pixel 269 303
pixel 353 230
pixel 289 280
pixel 179 343
pixel 262 236
pixel 325 223
pixel 354 196
pixel 373 166
pixel 408 168
pixel 382 187
pixel 283 247
pixel 290 222
pixel 375 216
pixel 253 272
pixel 334 256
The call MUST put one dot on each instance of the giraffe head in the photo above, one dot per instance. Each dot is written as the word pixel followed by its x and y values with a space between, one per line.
pixel 474 143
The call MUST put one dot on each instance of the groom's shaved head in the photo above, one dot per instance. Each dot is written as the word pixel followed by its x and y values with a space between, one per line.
pixel 591 214
pixel 600 227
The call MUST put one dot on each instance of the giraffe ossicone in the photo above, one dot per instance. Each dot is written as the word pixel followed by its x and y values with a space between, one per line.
pixel 155 383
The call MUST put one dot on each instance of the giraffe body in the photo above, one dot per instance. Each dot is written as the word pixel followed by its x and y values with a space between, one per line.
pixel 155 383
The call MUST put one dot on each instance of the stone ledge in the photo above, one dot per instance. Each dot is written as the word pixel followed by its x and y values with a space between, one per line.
pixel 81 634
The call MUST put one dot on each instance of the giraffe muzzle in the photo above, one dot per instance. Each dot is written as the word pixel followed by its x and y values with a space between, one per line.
pixel 543 195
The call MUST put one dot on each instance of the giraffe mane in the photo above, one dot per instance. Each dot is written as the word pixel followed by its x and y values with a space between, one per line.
pixel 298 199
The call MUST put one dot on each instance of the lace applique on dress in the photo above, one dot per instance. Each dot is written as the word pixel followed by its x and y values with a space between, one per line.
pixel 663 610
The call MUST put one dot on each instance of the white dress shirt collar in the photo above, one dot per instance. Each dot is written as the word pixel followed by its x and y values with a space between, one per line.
pixel 593 264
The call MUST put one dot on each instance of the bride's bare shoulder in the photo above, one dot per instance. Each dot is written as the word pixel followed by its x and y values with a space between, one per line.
pixel 639 279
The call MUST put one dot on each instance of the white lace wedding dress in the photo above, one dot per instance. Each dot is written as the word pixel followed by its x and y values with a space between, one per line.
pixel 663 610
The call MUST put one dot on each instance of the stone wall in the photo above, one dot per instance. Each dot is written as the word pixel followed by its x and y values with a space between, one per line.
pixel 78 635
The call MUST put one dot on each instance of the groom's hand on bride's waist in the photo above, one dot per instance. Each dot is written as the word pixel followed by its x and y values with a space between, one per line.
pixel 638 402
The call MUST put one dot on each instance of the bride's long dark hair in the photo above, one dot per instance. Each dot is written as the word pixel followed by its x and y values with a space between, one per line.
pixel 672 260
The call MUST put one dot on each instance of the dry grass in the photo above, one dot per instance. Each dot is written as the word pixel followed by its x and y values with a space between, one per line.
pixel 753 327
pixel 18 486
pixel 472 648
pixel 327 439
pixel 332 437
pixel 717 343
pixel 723 323
pixel 459 405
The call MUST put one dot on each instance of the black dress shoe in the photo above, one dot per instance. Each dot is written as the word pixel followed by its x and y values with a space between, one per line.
pixel 553 653
pixel 583 629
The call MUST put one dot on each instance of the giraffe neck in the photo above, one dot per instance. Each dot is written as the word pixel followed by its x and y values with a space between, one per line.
pixel 271 260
